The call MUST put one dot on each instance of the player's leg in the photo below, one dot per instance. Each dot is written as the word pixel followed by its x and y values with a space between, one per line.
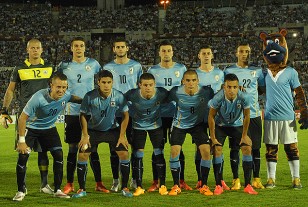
pixel 234 162
pixel 96 168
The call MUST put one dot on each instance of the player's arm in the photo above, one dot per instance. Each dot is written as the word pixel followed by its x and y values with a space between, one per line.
pixel 302 104
pixel 22 146
pixel 211 122
pixel 8 97
pixel 245 139
pixel 124 123
pixel 75 99
pixel 85 138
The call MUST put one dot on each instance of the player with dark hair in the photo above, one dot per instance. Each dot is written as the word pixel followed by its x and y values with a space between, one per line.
pixel 226 119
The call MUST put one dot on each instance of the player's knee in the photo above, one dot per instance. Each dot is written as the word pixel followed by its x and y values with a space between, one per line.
pixel 256 153
pixel 123 155
pixel 57 154
pixel 83 156
pixel 217 151
pixel 291 151
pixel 94 156
pixel 271 153
pixel 246 150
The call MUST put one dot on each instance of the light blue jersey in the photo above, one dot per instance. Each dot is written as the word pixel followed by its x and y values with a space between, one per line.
pixel 125 76
pixel 229 114
pixel 249 78
pixel 279 104
pixel 103 111
pixel 146 114
pixel 43 111
pixel 190 110
pixel 213 78
pixel 168 78
pixel 80 78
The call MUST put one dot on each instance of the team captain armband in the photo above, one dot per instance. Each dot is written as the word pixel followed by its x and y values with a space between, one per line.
pixel 34 73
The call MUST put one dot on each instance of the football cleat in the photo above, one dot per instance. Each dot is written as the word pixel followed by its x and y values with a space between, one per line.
pixel 205 190
pixel 138 191
pixel 297 184
pixel 100 187
pixel 154 186
pixel 126 193
pixel 224 185
pixel 218 190
pixel 256 183
pixel 236 184
pixel 183 185
pixel 163 190
pixel 69 187
pixel 270 183
pixel 60 194
pixel 47 189
pixel 249 189
pixel 199 184
pixel 133 184
pixel 175 190
pixel 80 193
pixel 19 196
pixel 115 185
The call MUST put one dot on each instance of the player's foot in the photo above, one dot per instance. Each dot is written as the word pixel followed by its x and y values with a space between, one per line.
pixel 133 184
pixel 154 186
pixel 270 183
pixel 224 185
pixel 256 183
pixel 138 191
pixel 249 189
pixel 163 190
pixel 184 185
pixel 199 184
pixel 205 190
pixel 60 194
pixel 126 193
pixel 115 185
pixel 80 193
pixel 218 190
pixel 100 187
pixel 47 189
pixel 297 184
pixel 236 184
pixel 69 187
pixel 19 196
pixel 175 190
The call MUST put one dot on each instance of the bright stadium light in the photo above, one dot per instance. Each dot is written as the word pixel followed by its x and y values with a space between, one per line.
pixel 165 3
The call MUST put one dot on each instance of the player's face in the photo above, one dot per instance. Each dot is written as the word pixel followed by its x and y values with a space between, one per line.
pixel 166 53
pixel 58 88
pixel 231 89
pixel 243 53
pixel 120 49
pixel 105 85
pixel 35 50
pixel 190 82
pixel 205 56
pixel 147 88
pixel 78 48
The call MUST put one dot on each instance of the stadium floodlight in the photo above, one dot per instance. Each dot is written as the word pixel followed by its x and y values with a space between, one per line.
pixel 165 3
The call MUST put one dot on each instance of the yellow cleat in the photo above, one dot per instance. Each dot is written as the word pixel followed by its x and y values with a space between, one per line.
pixel 205 190
pixel 163 190
pixel 175 190
pixel 138 191
pixel 270 183
pixel 297 184
pixel 256 183
pixel 236 184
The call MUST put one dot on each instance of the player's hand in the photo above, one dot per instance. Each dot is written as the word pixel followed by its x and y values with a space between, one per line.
pixel 215 142
pixel 122 140
pixel 304 123
pixel 23 148
pixel 5 117
pixel 246 140
pixel 84 143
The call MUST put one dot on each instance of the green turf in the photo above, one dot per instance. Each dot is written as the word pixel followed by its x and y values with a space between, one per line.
pixel 282 195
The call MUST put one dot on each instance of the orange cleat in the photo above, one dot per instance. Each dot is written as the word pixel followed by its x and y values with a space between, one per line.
pixel 224 185
pixel 205 190
pixel 175 190
pixel 218 190
pixel 100 187
pixel 249 189
pixel 154 186
pixel 184 185
pixel 69 187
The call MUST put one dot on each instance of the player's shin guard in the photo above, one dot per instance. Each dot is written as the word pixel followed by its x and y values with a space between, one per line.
pixel 271 160
pixel 175 167
pixel 234 162
pixel 43 163
pixel 21 169
pixel 247 168
pixel 57 168
pixel 197 163
pixel 71 161
pixel 138 167
pixel 124 168
pixel 217 165
pixel 96 166
pixel 182 163
pixel 154 170
pixel 82 170
pixel 256 162
pixel 293 159
pixel 115 163
pixel 160 165
pixel 133 159
pixel 205 166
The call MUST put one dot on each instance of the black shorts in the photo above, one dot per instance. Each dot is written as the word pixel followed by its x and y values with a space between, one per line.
pixel 255 131
pixel 48 139
pixel 197 133
pixel 139 138
pixel 128 129
pixel 205 128
pixel 72 129
pixel 234 134
pixel 111 137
